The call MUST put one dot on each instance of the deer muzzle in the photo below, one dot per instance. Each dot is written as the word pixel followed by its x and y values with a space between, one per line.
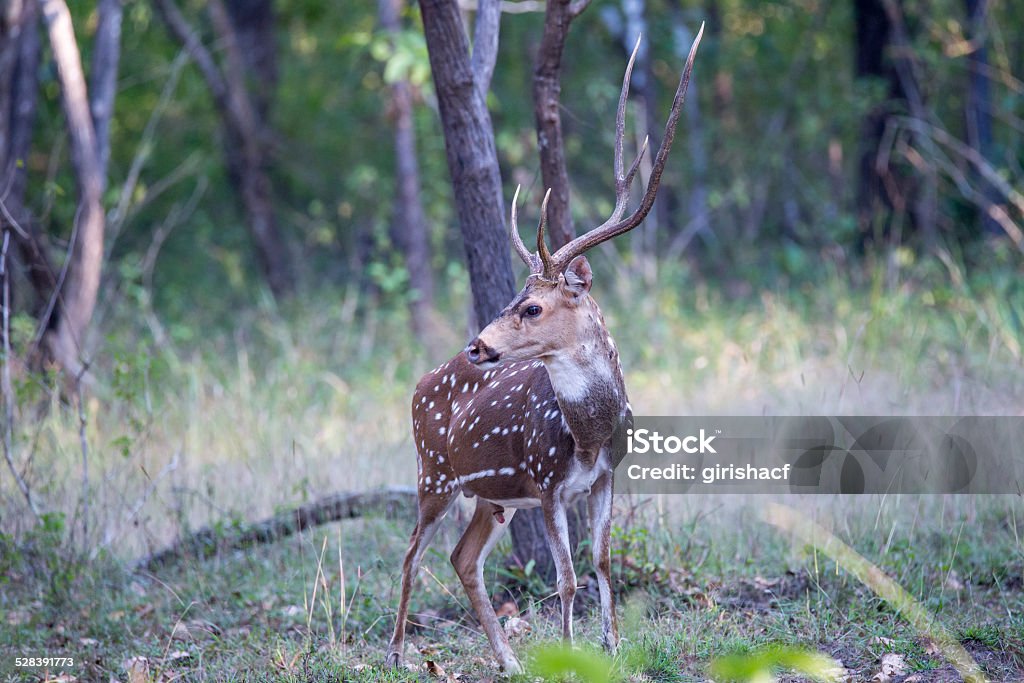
pixel 478 352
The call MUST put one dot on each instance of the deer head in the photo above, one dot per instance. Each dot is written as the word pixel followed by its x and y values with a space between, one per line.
pixel 554 308
pixel 544 317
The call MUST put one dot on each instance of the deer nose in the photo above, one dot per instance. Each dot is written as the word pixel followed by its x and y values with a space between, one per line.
pixel 478 352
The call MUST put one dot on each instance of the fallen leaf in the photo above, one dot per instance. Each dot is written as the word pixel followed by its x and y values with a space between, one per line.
pixel 916 678
pixel 181 632
pixel 88 642
pixel 891 665
pixel 137 669
pixel 434 669
pixel 178 655
pixel 60 678
pixel 293 610
pixel 515 627
pixel 882 640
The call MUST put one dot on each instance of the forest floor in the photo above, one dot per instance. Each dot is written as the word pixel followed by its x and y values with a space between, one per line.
pixel 717 582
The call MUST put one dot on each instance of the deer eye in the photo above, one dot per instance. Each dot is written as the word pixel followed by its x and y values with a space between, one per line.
pixel 532 311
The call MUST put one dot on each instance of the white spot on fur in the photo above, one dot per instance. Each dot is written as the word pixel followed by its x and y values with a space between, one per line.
pixel 476 475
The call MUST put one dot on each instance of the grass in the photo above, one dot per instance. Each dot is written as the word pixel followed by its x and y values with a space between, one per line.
pixel 281 612
pixel 286 405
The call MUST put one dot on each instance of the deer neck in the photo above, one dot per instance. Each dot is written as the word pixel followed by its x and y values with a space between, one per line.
pixel 588 384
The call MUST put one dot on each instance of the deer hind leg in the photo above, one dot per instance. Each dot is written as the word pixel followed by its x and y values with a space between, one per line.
pixel 556 527
pixel 476 543
pixel 599 505
pixel 432 510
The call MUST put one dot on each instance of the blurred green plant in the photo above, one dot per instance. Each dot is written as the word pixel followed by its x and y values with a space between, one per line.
pixel 765 664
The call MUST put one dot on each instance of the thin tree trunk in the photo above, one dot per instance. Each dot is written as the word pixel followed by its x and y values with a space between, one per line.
pixel 246 151
pixel 409 224
pixel 547 90
pixel 19 66
pixel 253 22
pixel 872 43
pixel 529 541
pixel 472 158
pixel 79 290
pixel 103 73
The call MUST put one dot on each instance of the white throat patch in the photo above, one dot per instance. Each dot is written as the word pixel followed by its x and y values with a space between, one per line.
pixel 570 379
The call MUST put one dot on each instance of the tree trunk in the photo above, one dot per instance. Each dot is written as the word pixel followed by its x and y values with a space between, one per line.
pixel 253 22
pixel 883 193
pixel 472 158
pixel 64 341
pixel 529 540
pixel 106 55
pixel 19 66
pixel 547 90
pixel 873 36
pixel 408 223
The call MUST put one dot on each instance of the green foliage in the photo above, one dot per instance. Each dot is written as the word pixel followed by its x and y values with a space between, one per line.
pixel 781 127
pixel 763 665
pixel 557 662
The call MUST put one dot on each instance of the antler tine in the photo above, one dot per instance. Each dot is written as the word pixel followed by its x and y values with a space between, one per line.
pixel 547 265
pixel 517 242
pixel 616 225
pixel 620 112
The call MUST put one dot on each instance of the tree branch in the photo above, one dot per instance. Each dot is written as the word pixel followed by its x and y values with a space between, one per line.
pixel 106 55
pixel 485 43
pixel 189 39
pixel 209 540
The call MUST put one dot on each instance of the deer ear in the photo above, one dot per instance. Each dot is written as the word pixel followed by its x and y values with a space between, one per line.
pixel 577 278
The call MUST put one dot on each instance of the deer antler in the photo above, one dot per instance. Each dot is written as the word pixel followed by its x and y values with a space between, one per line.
pixel 541 261
pixel 548 265
pixel 531 261
pixel 616 225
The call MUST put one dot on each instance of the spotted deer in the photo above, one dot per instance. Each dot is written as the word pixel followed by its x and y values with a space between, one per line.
pixel 525 415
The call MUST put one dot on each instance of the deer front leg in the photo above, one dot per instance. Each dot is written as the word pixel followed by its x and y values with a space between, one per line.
pixel 557 528
pixel 432 510
pixel 476 543
pixel 599 505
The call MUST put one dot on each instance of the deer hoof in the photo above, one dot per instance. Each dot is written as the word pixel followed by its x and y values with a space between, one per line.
pixel 392 659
